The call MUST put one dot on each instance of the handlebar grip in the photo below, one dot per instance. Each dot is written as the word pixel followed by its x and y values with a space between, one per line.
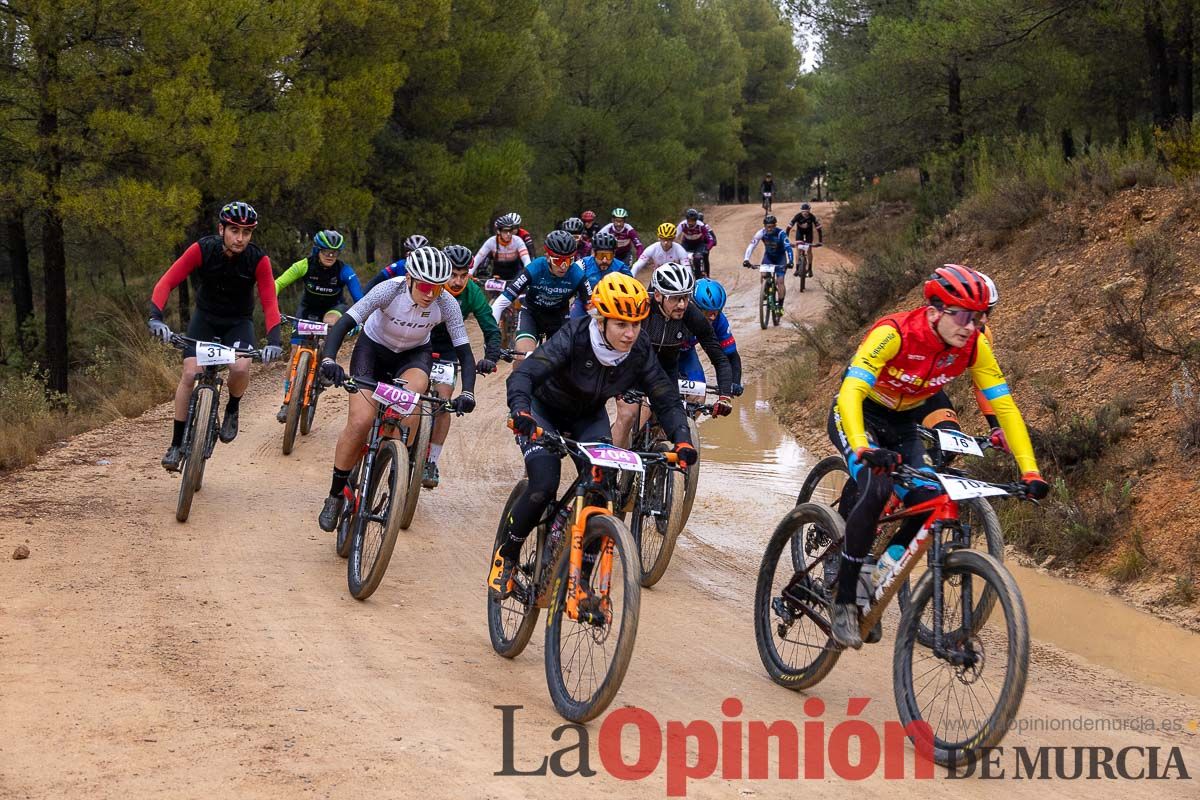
pixel 671 458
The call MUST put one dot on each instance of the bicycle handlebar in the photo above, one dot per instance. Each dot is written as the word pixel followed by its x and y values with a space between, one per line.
pixel 184 342
pixel 357 384
pixel 908 477
pixel 567 445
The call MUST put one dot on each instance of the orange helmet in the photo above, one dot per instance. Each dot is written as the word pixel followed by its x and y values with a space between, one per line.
pixel 955 285
pixel 618 296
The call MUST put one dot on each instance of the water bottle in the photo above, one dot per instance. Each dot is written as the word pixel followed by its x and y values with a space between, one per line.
pixel 887 562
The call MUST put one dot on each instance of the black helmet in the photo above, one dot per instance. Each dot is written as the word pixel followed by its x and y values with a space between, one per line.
pixel 692 213
pixel 560 243
pixel 573 225
pixel 769 219
pixel 604 240
pixel 460 256
pixel 805 206
pixel 238 213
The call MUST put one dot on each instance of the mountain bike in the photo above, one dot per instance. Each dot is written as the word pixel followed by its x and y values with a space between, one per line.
pixel 303 388
pixel 381 494
pixel 695 410
pixel 699 263
pixel 804 251
pixel 581 564
pixel 200 433
pixel 829 483
pixel 766 201
pixel 770 310
pixel 943 650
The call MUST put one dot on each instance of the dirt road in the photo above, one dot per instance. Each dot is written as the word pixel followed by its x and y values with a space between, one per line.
pixel 223 657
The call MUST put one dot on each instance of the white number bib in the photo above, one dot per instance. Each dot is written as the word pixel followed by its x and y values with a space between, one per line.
pixel 966 488
pixel 210 353
pixel 402 400
pixel 766 269
pixel 689 388
pixel 605 455
pixel 955 442
pixel 442 372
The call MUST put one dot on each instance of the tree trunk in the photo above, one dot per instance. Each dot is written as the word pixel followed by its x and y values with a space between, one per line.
pixel 17 247
pixel 1159 61
pixel 369 241
pixel 1185 63
pixel 1068 144
pixel 958 164
pixel 54 254
pixel 395 247
pixel 354 241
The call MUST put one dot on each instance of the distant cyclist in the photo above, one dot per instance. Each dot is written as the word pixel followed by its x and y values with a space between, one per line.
pixel 507 252
pixel 710 297
pixel 396 268
pixel 601 262
pixel 575 227
pixel 697 239
pixel 522 234
pixel 664 251
pixel 225 269
pixel 326 280
pixel 629 246
pixel 590 226
pixel 549 284
pixel 777 251
pixel 767 190
pixel 806 224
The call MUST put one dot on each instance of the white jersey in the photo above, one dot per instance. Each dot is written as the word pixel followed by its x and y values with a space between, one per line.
pixel 656 255
pixel 391 317
pixel 515 250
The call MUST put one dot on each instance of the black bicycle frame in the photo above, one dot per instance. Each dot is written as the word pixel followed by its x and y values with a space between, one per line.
pixel 209 378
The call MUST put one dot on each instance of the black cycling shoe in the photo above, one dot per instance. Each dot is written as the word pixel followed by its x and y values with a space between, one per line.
pixel 173 458
pixel 845 625
pixel 331 513
pixel 229 426
pixel 281 417
pixel 809 273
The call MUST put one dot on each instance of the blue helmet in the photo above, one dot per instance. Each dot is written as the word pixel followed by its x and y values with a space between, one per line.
pixel 710 295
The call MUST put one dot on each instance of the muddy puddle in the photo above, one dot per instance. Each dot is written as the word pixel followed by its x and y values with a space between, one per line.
pixel 752 470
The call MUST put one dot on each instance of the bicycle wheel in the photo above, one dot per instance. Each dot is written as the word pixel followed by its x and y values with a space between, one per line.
pixel 310 410
pixel 585 662
pixel 376 525
pixel 659 522
pixel 792 607
pixel 985 530
pixel 805 261
pixel 295 408
pixel 193 468
pixel 776 313
pixel 765 299
pixel 511 620
pixel 416 464
pixel 346 524
pixel 823 485
pixel 947 689
pixel 693 475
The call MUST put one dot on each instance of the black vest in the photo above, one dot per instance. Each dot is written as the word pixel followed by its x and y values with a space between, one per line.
pixel 225 286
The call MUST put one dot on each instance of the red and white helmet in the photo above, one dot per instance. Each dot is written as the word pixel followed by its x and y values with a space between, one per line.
pixel 958 286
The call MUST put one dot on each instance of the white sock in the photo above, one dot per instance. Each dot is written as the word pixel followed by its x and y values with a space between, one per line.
pixel 435 450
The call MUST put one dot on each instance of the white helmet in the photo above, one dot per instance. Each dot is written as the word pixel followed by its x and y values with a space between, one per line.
pixel 428 264
pixel 673 278
pixel 993 292
pixel 414 242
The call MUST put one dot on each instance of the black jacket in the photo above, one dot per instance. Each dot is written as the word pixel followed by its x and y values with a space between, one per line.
pixel 565 376
pixel 668 335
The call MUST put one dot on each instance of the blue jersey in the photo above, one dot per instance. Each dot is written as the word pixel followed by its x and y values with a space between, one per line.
pixel 593 273
pixel 394 270
pixel 546 292
pixel 776 247
pixel 689 357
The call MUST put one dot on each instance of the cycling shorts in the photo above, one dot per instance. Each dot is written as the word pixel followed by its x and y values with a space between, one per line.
pixel 231 332
pixel 538 325
pixel 690 368
pixel 894 430
pixel 375 362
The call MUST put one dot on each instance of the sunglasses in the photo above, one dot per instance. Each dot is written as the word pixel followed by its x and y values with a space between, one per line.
pixel 559 261
pixel 429 288
pixel 328 253
pixel 965 317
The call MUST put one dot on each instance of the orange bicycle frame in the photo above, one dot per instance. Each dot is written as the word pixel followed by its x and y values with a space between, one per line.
pixel 575 591
pixel 312 374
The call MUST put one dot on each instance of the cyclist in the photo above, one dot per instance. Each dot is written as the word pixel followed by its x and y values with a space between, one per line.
pixel 396 268
pixel 548 284
pixel 522 234
pixel 805 222
pixel 672 319
pixel 697 239
pixel 326 280
pixel 226 267
pixel 629 246
pixel 777 250
pixel 767 190
pixel 904 360
pixel 397 317
pixel 603 261
pixel 508 252
pixel 590 228
pixel 575 227
pixel 710 297
pixel 664 251
pixel 471 301
pixel 563 388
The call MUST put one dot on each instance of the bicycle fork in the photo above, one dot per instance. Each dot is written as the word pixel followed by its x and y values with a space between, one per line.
pixel 601 614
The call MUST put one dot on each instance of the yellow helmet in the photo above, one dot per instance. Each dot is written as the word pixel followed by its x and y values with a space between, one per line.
pixel 619 296
pixel 666 230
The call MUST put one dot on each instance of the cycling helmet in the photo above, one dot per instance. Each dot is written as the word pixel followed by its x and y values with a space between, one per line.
pixel 666 230
pixel 428 264
pixel 700 216
pixel 954 285
pixel 560 243
pixel 620 213
pixel 769 219
pixel 618 296
pixel 692 214
pixel 673 279
pixel 603 240
pixel 993 292
pixel 415 242
pixel 588 217
pixel 515 218
pixel 238 213
pixel 329 240
pixel 460 257
pixel 507 221
pixel 710 295
pixel 805 207
pixel 573 225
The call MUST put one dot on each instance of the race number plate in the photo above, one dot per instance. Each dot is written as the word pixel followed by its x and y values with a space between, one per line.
pixel 965 488
pixel 955 442
pixel 803 246
pixel 495 284
pixel 307 327
pixel 766 269
pixel 210 353
pixel 442 372
pixel 605 455
pixel 402 400
pixel 689 388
